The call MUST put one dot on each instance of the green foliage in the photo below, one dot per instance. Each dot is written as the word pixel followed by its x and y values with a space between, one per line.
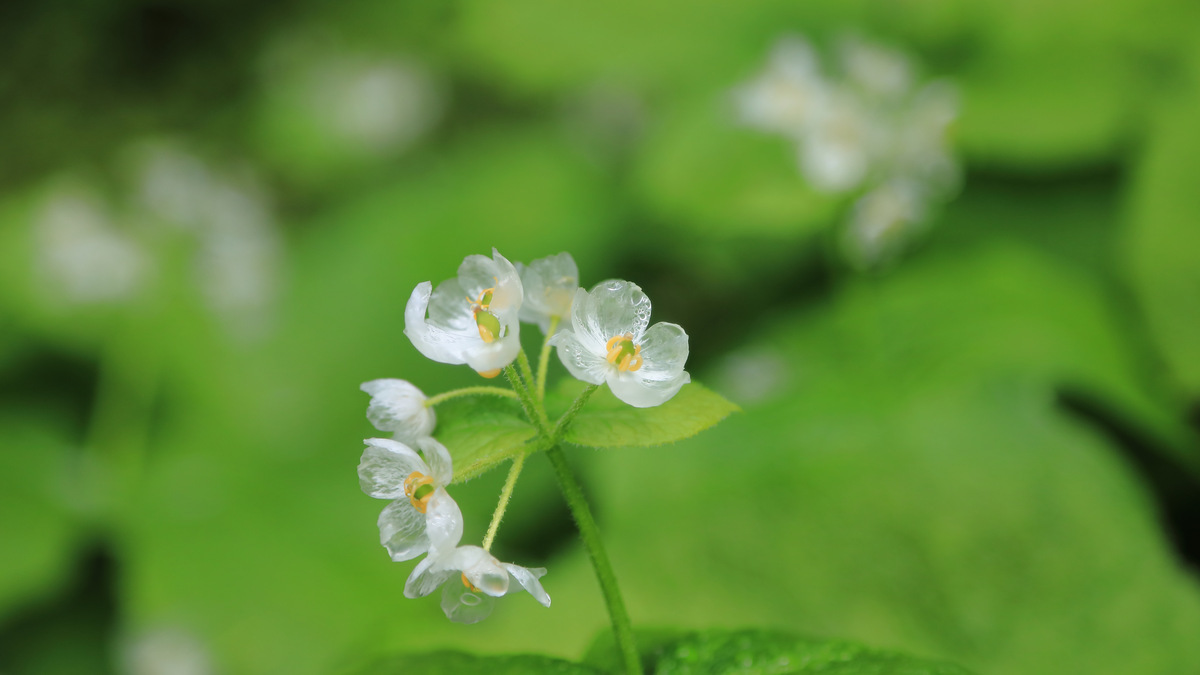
pixel 460 663
pixel 757 652
pixel 606 422
pixel 481 432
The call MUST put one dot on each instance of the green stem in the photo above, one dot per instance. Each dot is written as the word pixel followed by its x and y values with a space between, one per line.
pixel 505 496
pixel 530 380
pixel 530 407
pixel 563 422
pixel 469 391
pixel 590 535
pixel 544 360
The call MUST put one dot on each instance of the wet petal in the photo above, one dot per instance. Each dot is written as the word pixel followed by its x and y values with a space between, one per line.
pixel 426 577
pixel 443 522
pixel 437 457
pixel 481 569
pixel 528 579
pixel 450 309
pixel 385 465
pixel 435 343
pixel 399 407
pixel 402 530
pixel 612 308
pixel 583 364
pixel 664 352
pixel 639 392
pixel 462 605
pixel 549 284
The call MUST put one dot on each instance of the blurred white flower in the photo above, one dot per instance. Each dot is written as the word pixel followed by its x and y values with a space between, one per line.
pixel 874 70
pixel 375 104
pixel 165 651
pixel 549 285
pixel 481 579
pixel 843 143
pixel 785 97
pixel 422 516
pixel 881 220
pixel 399 406
pixel 81 254
pixel 472 319
pixel 607 341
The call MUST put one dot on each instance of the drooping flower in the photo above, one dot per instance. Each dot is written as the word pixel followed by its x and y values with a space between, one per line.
pixel 607 341
pixel 472 319
pixel 399 407
pixel 422 516
pixel 481 579
pixel 550 284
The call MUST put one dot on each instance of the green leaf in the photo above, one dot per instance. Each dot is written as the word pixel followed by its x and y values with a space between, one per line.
pixel 606 422
pixel 481 432
pixel 758 652
pixel 459 663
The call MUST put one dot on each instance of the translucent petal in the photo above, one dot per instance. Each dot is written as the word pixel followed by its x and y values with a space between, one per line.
pixel 450 309
pixel 426 577
pixel 613 307
pixel 433 342
pixel 664 352
pixel 385 465
pixel 643 393
pixel 478 273
pixel 581 363
pixel 462 605
pixel 499 353
pixel 402 530
pixel 437 458
pixel 443 522
pixel 399 407
pixel 528 579
pixel 481 569
pixel 549 284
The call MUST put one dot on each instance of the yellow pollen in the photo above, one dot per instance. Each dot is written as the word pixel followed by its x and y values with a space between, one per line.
pixel 489 374
pixel 468 584
pixel 413 484
pixel 623 353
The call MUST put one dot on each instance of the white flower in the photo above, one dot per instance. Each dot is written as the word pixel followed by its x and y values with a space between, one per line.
pixel 472 319
pixel 550 284
pixel 881 220
pixel 875 70
pixel 607 341
pixel 843 141
pixel 785 96
pixel 399 407
pixel 481 579
pixel 423 517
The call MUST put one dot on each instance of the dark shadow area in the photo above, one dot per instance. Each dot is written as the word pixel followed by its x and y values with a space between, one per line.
pixel 70 633
pixel 54 381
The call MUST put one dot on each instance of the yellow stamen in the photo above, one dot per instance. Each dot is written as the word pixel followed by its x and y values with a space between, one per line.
pixel 412 486
pixel 623 353
pixel 489 374
pixel 468 584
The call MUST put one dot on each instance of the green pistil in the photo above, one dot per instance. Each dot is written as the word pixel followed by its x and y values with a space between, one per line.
pixel 422 492
pixel 489 325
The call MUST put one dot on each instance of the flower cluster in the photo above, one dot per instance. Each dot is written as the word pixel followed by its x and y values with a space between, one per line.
pixel 869 127
pixel 602 336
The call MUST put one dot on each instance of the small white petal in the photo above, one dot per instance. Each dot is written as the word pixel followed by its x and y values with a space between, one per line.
pixel 643 393
pixel 612 308
pixel 462 605
pixel 583 364
pixel 399 407
pixel 402 530
pixel 450 309
pixel 549 284
pixel 437 457
pixel 443 522
pixel 499 353
pixel 481 569
pixel 528 579
pixel 426 577
pixel 434 342
pixel 385 465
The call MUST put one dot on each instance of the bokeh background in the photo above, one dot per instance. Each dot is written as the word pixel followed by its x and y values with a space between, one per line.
pixel 212 213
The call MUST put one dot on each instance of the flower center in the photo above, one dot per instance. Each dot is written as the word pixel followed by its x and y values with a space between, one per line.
pixel 487 323
pixel 623 354
pixel 470 586
pixel 418 488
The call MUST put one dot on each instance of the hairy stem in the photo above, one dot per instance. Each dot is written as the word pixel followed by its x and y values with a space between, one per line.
pixel 505 496
pixel 565 421
pixel 544 360
pixel 532 410
pixel 536 404
pixel 590 535
pixel 470 391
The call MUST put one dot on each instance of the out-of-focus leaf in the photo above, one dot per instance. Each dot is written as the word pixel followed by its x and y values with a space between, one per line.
pixel 458 663
pixel 912 484
pixel 607 422
pixel 38 531
pixel 1162 251
pixel 481 432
